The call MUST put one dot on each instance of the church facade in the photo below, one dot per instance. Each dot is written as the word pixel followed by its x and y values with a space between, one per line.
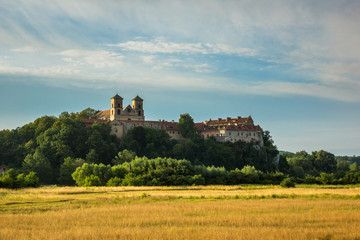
pixel 123 118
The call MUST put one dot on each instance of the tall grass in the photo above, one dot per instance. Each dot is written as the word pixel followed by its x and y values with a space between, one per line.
pixel 212 212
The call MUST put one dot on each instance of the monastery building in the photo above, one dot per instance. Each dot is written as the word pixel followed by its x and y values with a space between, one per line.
pixel 123 118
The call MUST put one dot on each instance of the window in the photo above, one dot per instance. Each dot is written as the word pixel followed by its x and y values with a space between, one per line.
pixel 139 113
pixel 118 111
pixel 118 104
pixel 139 106
pixel 128 110
pixel 112 105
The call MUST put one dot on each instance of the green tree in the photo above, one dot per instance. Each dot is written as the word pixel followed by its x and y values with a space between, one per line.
pixel 13 180
pixel 287 183
pixel 343 166
pixel 325 178
pixel 68 168
pixel 251 175
pixel 187 126
pixel 88 113
pixel 40 164
pixel 92 180
pixel 354 167
pixel 32 180
pixel 148 142
pixel 8 179
pixel 92 157
pixel 301 159
pixel 124 156
pixel 324 161
pixel 91 173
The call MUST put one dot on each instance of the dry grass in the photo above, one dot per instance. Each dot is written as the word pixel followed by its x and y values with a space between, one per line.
pixel 213 212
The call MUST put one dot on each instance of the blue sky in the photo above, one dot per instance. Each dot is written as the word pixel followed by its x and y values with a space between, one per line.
pixel 294 66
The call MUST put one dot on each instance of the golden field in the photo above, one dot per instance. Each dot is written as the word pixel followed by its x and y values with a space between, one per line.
pixel 209 212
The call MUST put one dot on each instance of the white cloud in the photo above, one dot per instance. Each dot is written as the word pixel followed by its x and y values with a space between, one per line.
pixel 159 45
pixel 148 59
pixel 25 49
pixel 317 40
pixel 98 59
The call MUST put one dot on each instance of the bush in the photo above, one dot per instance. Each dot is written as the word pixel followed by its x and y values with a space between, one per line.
pixel 235 177
pixel 287 183
pixel 198 180
pixel 92 181
pixel 13 180
pixel 86 174
pixel 251 174
pixel 32 180
pixel 113 182
pixel 7 181
pixel 325 178
pixel 309 179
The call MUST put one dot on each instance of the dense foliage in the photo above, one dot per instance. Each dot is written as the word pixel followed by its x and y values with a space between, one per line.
pixel 44 145
pixel 11 179
pixel 199 151
pixel 142 171
pixel 62 150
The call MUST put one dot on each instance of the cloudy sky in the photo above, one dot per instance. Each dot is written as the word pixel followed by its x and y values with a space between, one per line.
pixel 294 66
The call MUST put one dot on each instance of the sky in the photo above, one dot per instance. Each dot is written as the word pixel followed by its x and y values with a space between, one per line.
pixel 294 66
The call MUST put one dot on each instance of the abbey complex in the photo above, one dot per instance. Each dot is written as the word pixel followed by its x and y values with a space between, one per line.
pixel 123 118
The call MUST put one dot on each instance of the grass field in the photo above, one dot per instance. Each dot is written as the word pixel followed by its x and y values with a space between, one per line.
pixel 210 212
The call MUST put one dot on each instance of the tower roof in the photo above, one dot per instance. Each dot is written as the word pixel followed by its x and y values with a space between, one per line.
pixel 117 96
pixel 138 98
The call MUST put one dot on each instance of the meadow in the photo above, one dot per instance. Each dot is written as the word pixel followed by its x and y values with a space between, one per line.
pixel 195 212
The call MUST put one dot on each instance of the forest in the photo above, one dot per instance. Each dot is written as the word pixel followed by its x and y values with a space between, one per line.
pixel 62 150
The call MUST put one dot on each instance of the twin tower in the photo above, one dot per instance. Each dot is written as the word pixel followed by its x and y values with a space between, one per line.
pixel 134 112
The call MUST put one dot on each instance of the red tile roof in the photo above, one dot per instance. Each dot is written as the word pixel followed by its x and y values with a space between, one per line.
pixel 103 114
pixel 230 121
pixel 90 121
pixel 244 128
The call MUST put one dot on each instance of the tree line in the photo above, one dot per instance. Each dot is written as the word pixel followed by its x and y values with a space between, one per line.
pixel 55 148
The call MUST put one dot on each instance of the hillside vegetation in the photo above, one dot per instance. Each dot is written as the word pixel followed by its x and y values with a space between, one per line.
pixel 62 150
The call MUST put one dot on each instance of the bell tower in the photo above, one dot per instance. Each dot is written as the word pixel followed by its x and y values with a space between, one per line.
pixel 116 107
pixel 137 106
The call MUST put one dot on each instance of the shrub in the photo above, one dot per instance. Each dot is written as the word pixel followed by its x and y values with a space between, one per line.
pixel 32 180
pixel 92 181
pixel 7 181
pixel 325 178
pixel 251 174
pixel 235 177
pixel 309 179
pixel 198 180
pixel 13 180
pixel 113 182
pixel 287 183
